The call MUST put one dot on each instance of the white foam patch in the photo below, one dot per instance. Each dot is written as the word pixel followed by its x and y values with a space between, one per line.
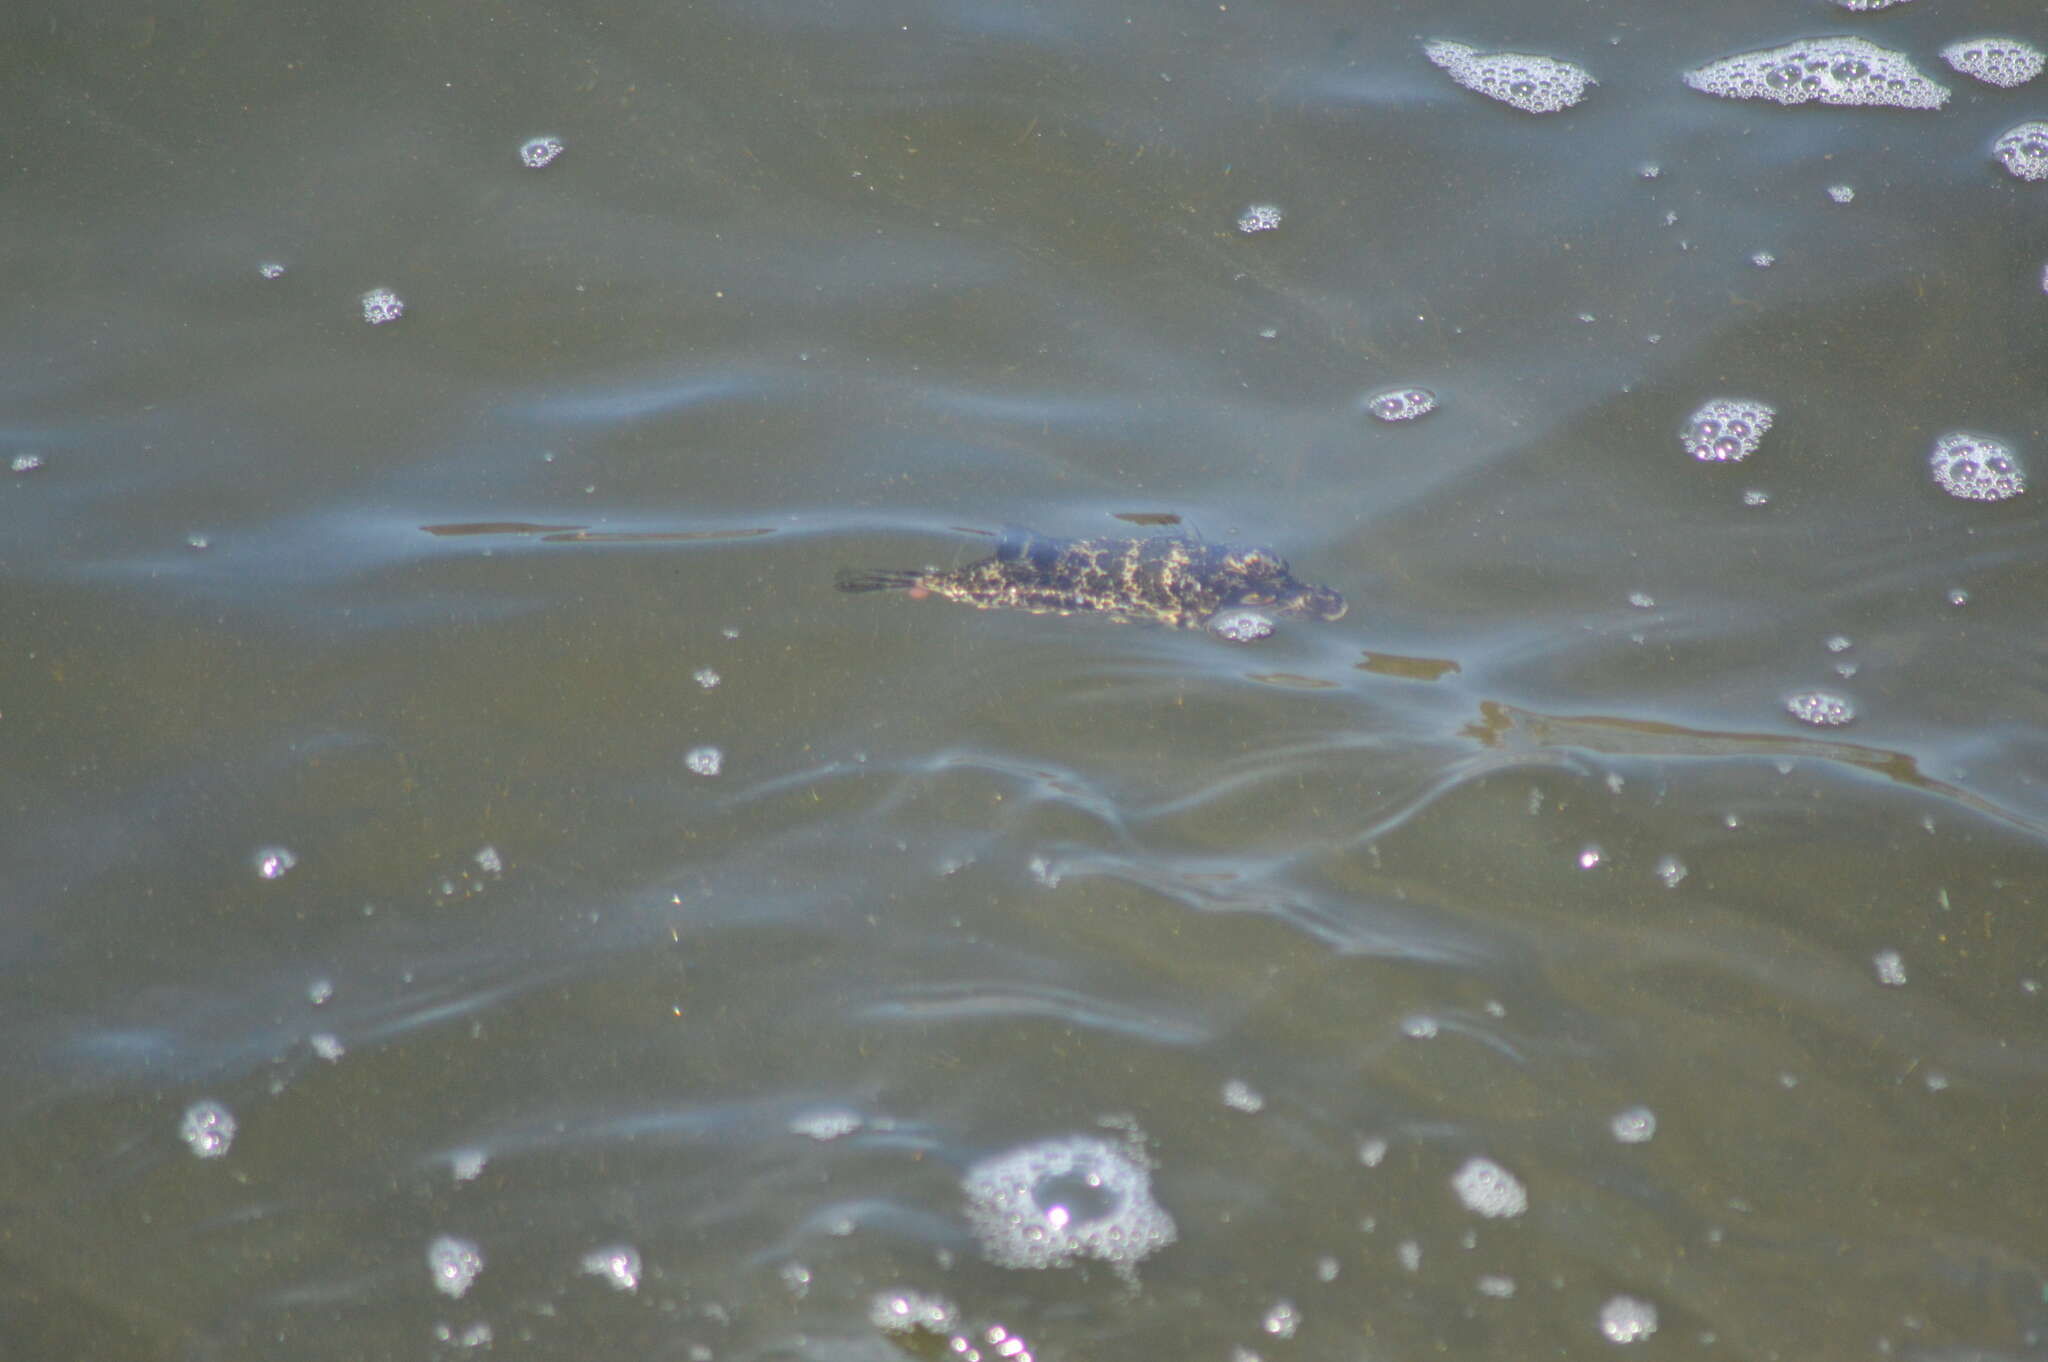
pixel 1530 83
pixel 1975 468
pixel 1842 71
pixel 2023 150
pixel 2004 62
pixel 1051 1203
pixel 1490 1190
pixel 1726 429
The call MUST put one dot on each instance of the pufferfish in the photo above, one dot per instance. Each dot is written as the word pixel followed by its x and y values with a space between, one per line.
pixel 1231 590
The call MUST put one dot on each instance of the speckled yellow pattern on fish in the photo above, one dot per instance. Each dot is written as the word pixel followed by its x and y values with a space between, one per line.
pixel 1171 580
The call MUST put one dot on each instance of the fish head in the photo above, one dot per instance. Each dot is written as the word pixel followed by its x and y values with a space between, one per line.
pixel 1316 602
pixel 1301 600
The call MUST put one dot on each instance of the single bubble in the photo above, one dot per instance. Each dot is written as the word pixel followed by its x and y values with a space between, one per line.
pixel 705 761
pixel 1490 1190
pixel 1282 1319
pixel 1671 871
pixel 467 1165
pixel 1726 429
pixel 1642 600
pixel 1591 857
pixel 1649 170
pixel 1239 1095
pixel 273 863
pixel 796 1278
pixel 1497 1286
pixel 1372 1152
pixel 1624 1319
pixel 706 677
pixel 1890 967
pixel 1047 1204
pixel 1958 596
pixel 1420 1026
pixel 320 992
pixel 539 151
pixel 1763 260
pixel 454 1264
pixel 618 1264
pixel 1259 217
pixel 327 1046
pixel 1976 468
pixel 198 541
pixel 270 269
pixel 1823 709
pixel 1841 193
pixel 25 463
pixel 1401 404
pixel 1634 1126
pixel 1241 624
pixel 381 305
pixel 488 861
pixel 207 1128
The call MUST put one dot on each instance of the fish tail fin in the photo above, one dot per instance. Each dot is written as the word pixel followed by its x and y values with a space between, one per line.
pixel 900 579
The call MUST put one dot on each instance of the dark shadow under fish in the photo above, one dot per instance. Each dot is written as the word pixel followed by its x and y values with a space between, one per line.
pixel 1229 589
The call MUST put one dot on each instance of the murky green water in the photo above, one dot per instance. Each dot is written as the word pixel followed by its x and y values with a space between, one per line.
pixel 664 955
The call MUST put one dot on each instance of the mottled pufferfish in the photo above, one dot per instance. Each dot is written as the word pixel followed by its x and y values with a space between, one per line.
pixel 1168 579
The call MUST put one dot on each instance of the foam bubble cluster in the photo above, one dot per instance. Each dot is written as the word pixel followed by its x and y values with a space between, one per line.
pixel 1259 217
pixel 618 1264
pixel 536 152
pixel 1973 468
pixel 1625 1319
pixel 2023 150
pixel 1490 1190
pixel 1050 1203
pixel 207 1129
pixel 1401 404
pixel 1846 71
pixel 454 1264
pixel 1821 708
pixel 1532 84
pixel 381 305
pixel 2004 62
pixel 1726 429
pixel 1241 625
pixel 273 863
pixel 902 1312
